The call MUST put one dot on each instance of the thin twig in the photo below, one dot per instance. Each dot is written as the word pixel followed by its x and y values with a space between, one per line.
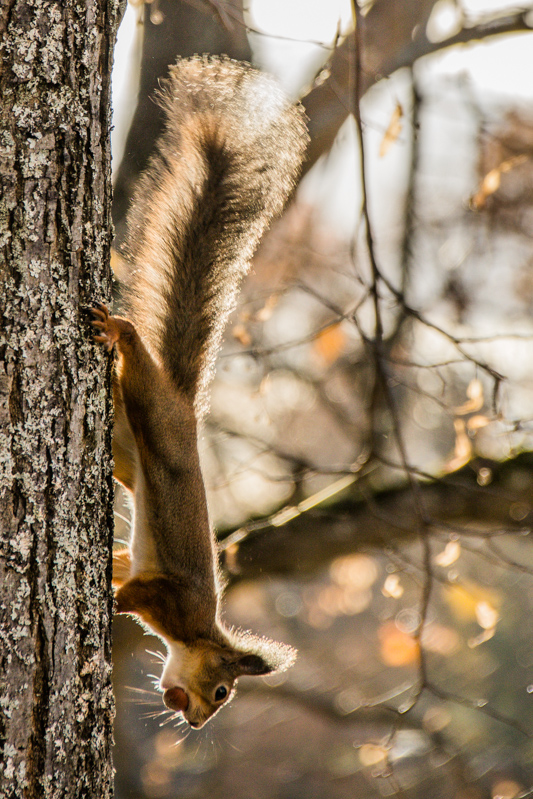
pixel 381 363
pixel 480 706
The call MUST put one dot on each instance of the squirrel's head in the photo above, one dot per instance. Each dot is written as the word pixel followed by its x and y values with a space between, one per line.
pixel 199 678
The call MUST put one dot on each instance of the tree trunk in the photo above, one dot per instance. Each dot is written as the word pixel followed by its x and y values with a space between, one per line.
pixel 56 703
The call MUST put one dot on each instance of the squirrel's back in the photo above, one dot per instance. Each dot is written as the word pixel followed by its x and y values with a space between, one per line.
pixel 224 167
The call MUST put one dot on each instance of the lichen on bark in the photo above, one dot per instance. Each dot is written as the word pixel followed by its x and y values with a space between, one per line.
pixel 56 703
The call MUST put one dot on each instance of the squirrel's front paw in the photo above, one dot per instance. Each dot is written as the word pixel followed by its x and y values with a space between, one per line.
pixel 108 327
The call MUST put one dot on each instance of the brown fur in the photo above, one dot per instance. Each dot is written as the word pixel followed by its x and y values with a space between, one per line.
pixel 225 166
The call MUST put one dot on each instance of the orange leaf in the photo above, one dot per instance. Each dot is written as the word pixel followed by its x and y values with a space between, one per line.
pixel 330 342
pixel 397 648
pixel 468 600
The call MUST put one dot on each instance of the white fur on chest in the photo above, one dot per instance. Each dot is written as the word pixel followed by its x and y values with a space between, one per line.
pixel 142 546
pixel 180 665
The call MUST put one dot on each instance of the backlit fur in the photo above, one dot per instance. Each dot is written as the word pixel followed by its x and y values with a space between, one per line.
pixel 224 167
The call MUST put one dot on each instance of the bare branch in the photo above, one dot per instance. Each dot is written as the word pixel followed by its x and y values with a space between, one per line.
pixel 328 105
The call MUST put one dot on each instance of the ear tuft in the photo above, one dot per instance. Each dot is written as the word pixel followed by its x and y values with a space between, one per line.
pixel 260 655
pixel 254 665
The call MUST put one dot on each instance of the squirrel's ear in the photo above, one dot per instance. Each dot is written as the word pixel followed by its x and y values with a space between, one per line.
pixel 252 665
pixel 255 656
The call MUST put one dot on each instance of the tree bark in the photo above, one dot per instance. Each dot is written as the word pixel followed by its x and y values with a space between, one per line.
pixel 56 702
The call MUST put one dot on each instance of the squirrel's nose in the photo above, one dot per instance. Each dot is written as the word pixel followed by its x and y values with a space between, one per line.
pixel 176 699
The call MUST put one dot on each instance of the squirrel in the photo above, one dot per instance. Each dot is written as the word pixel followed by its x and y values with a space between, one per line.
pixel 224 167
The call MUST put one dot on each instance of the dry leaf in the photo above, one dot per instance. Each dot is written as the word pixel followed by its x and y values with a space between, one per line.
pixel 392 132
pixel 372 754
pixel 506 789
pixel 449 554
pixel 240 333
pixel 392 587
pixel 477 422
pixel 486 615
pixel 463 447
pixel 356 571
pixel 264 313
pixel 442 640
pixel 436 719
pixel 491 181
pixel 477 640
pixel 464 600
pixel 474 392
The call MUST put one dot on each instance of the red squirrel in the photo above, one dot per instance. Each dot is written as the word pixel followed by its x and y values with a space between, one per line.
pixel 224 167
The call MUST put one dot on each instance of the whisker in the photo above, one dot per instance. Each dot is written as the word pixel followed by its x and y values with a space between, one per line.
pixel 143 696
pixel 185 736
pixel 143 702
pixel 137 690
pixel 155 714
pixel 159 656
pixel 169 719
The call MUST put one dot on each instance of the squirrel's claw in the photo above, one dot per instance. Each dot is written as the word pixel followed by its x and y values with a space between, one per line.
pixel 108 333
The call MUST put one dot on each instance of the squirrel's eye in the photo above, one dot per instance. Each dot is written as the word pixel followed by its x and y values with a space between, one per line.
pixel 221 693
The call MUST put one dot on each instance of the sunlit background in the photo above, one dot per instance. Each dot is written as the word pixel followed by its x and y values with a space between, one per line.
pixel 295 414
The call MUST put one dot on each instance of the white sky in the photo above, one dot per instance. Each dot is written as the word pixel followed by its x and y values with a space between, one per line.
pixel 314 20
pixel 502 65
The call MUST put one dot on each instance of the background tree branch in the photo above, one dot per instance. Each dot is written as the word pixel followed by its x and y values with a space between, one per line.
pixel 362 518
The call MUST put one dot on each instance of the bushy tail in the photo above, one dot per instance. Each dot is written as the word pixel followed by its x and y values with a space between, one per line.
pixel 224 167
